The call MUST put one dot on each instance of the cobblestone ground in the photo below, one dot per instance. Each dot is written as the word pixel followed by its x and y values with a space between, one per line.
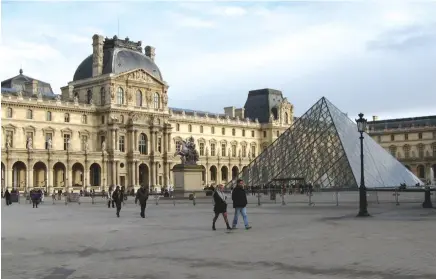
pixel 296 241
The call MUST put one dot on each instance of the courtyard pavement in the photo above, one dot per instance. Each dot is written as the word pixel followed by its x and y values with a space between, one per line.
pixel 296 241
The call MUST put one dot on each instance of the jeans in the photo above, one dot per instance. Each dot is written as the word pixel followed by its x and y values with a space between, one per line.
pixel 143 206
pixel 243 212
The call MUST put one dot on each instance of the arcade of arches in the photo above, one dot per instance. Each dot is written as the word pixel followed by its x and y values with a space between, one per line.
pixel 57 177
pixel 422 172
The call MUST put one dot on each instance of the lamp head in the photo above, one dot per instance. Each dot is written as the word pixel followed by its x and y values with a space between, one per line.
pixel 361 123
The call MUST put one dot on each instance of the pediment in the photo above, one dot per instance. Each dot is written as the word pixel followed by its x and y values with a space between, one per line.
pixel 139 75
pixel 84 133
pixel 48 130
pixel 29 128
pixel 201 140
pixel 9 127
pixel 234 142
pixel 67 131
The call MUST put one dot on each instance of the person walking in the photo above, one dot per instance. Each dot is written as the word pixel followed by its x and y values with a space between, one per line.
pixel 8 197
pixel 142 197
pixel 109 198
pixel 117 199
pixel 239 198
pixel 220 206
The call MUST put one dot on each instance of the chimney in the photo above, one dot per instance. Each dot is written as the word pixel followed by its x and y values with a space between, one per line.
pixel 240 112
pixel 97 55
pixel 374 118
pixel 229 111
pixel 150 52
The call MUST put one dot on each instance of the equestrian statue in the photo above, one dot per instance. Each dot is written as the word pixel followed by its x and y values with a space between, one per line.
pixel 187 152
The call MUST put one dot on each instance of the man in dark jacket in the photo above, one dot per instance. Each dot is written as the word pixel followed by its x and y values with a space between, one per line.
pixel 8 197
pixel 142 196
pixel 117 197
pixel 239 198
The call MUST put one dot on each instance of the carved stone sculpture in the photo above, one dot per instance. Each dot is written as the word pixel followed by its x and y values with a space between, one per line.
pixel 8 142
pixel 91 101
pixel 49 143
pixel 189 155
pixel 165 99
pixel 112 92
pixel 129 94
pixel 29 143
pixel 68 144
pixel 76 99
pixel 58 98
pixel 86 146
pixel 103 146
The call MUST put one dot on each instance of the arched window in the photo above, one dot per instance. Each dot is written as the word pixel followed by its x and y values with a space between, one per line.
pixel 9 112
pixel 156 101
pixel 233 132
pixel 29 114
pixel 286 118
pixel 139 98
pixel 177 127
pixel 102 96
pixel 190 128
pixel 89 96
pixel 120 96
pixel 143 144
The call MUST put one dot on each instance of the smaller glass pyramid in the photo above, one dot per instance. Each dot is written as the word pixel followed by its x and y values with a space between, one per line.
pixel 322 147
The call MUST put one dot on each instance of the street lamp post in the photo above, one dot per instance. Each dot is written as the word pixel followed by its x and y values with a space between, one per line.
pixel 363 205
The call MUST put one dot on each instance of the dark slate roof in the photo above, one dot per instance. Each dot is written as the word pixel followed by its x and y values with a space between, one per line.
pixel 118 58
pixel 200 113
pixel 20 81
pixel 260 103
pixel 398 123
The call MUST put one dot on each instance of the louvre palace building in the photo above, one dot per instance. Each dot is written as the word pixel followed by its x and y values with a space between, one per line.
pixel 112 125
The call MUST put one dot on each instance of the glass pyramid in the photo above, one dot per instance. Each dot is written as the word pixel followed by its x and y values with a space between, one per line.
pixel 322 147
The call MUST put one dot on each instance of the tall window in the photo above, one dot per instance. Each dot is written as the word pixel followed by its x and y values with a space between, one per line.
pixel 143 144
pixel 121 141
pixel 48 137
pixel 190 128
pixel 233 132
pixel 48 116
pixel 212 129
pixel 201 129
pixel 421 151
pixel 243 133
pixel 278 133
pixel 156 100
pixel 84 119
pixel 177 127
pixel 201 148
pixel 139 98
pixel 212 149
pixel 264 134
pixel 102 96
pixel 102 119
pixel 66 117
pixel 420 136
pixel 252 134
pixel 178 146
pixel 83 143
pixel 406 151
pixel 244 151
pixel 223 149
pixel 253 151
pixel 89 96
pixel 223 131
pixel 233 150
pixel 9 115
pixel 406 136
pixel 286 118
pixel 120 96
pixel 392 137
pixel 29 114
pixel 393 150
pixel 66 141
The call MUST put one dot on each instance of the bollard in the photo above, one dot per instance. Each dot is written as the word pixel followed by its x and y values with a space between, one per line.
pixel 337 198
pixel 193 199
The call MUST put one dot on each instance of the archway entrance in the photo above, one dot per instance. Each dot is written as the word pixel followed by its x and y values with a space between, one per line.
pixel 213 171
pixel 95 175
pixel 144 175
pixel 235 172
pixel 421 171
pixel 78 174
pixel 40 175
pixel 59 175
pixel 224 174
pixel 19 175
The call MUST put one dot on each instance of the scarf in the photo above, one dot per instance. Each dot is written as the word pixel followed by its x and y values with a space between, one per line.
pixel 221 194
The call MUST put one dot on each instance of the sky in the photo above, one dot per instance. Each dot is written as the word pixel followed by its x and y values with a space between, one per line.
pixel 378 58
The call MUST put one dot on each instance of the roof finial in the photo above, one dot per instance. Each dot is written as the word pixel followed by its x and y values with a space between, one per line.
pixel 21 70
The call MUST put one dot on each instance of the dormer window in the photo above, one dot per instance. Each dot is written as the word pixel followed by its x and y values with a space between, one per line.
pixel 120 96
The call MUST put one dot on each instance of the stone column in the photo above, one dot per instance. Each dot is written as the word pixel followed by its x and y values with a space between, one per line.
pixel 151 142
pixel 169 142
pixel 113 139
pixel 164 143
pixel 8 178
pixel 156 179
pixel 136 172
pixel 113 180
pixel 70 177
pixel 132 140
pixel 117 172
pixel 116 140
pixel 206 175
pixel 86 174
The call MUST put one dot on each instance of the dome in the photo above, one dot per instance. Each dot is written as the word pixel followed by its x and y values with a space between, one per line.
pixel 118 60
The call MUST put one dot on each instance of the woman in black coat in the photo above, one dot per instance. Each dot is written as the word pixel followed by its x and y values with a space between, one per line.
pixel 220 206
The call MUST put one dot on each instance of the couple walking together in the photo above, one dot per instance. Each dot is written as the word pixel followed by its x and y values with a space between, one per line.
pixel 239 198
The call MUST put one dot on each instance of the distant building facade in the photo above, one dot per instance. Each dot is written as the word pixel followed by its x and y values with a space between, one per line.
pixel 112 125
pixel 411 140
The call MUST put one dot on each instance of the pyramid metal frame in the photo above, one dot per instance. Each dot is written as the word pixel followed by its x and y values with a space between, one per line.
pixel 316 149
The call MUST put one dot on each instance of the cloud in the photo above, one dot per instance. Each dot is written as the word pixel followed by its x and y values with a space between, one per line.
pixel 371 57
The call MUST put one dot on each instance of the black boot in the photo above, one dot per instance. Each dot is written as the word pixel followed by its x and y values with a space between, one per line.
pixel 213 227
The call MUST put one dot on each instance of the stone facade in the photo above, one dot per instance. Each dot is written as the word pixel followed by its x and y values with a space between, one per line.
pixel 117 129
pixel 411 140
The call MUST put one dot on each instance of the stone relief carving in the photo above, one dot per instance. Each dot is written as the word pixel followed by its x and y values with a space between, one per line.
pixel 103 146
pixel 112 92
pixel 49 143
pixel 129 93
pixel 165 99
pixel 8 142
pixel 76 100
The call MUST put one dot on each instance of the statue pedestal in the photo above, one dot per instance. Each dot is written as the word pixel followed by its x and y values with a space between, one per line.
pixel 187 180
